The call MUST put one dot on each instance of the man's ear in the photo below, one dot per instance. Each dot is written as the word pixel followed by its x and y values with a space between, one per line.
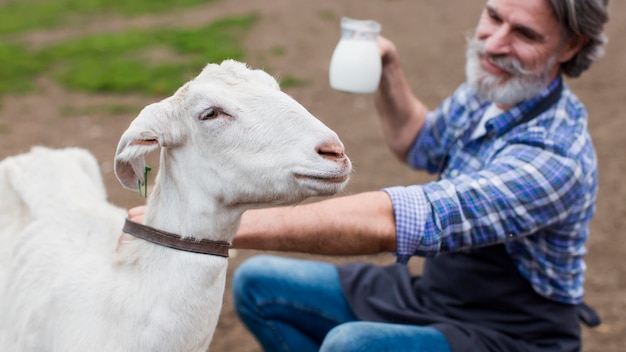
pixel 571 48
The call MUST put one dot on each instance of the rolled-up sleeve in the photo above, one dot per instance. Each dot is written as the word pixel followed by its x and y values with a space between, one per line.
pixel 411 209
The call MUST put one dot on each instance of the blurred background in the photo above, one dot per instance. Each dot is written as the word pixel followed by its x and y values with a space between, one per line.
pixel 76 72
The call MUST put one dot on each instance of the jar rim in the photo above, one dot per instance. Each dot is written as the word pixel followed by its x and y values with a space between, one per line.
pixel 360 25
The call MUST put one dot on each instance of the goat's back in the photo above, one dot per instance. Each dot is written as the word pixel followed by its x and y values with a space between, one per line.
pixel 53 216
pixel 53 186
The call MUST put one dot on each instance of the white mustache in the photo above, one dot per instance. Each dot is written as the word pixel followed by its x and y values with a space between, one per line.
pixel 508 64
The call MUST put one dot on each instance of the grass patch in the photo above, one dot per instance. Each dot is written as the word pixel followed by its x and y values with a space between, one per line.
pixel 291 81
pixel 23 15
pixel 114 62
pixel 122 62
pixel 18 67
pixel 277 51
pixel 327 15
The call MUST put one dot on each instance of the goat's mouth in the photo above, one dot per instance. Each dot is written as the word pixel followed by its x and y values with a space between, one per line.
pixel 325 179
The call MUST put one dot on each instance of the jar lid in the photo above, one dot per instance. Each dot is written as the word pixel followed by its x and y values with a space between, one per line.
pixel 360 25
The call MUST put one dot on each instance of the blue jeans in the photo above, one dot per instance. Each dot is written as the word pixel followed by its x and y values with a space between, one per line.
pixel 298 305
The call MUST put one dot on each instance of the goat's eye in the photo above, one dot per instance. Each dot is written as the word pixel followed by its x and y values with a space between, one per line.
pixel 209 114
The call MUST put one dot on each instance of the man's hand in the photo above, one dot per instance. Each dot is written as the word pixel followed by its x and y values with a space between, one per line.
pixel 388 51
pixel 136 214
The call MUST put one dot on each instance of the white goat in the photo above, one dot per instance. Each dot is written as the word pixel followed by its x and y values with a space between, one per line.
pixel 71 281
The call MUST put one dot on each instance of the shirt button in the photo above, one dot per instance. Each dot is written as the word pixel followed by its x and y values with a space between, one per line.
pixel 511 235
pixel 482 182
pixel 454 173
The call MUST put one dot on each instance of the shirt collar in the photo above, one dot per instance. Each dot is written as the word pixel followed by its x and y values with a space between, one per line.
pixel 514 115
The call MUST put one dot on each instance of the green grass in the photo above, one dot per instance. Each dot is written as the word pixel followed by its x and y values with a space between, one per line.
pixel 277 50
pixel 291 81
pixel 18 67
pixel 327 15
pixel 23 15
pixel 122 62
pixel 153 61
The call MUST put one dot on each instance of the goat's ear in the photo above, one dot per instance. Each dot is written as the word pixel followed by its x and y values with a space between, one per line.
pixel 130 162
pixel 153 128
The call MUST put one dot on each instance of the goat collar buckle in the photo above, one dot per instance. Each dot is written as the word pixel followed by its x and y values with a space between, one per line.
pixel 171 240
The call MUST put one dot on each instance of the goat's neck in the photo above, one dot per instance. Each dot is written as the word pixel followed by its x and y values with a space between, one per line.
pixel 189 207
pixel 201 220
pixel 190 285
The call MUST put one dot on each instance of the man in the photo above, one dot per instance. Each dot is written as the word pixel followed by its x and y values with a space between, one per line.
pixel 503 229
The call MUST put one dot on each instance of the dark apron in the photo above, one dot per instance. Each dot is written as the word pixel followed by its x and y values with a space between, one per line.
pixel 477 299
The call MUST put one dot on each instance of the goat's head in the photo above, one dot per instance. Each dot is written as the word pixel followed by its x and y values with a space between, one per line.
pixel 232 133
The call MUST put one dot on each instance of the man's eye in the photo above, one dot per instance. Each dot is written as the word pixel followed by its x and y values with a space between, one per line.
pixel 494 16
pixel 529 35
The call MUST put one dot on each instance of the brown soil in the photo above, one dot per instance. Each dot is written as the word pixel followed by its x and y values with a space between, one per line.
pixel 429 35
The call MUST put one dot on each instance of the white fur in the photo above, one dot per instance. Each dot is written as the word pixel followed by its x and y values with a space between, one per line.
pixel 70 281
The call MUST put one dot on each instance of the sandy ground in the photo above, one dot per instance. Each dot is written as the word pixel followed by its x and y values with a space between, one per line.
pixel 430 37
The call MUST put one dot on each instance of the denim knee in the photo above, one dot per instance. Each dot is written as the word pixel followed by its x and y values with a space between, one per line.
pixel 248 275
pixel 371 336
pixel 345 337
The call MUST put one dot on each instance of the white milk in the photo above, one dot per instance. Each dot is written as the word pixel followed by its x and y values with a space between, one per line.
pixel 355 66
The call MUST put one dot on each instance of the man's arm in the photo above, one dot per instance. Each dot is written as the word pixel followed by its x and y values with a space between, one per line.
pixel 402 114
pixel 351 225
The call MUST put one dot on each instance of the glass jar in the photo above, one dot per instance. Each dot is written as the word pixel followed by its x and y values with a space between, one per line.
pixel 356 66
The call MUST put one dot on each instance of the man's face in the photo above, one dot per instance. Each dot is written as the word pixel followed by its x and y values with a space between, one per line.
pixel 516 50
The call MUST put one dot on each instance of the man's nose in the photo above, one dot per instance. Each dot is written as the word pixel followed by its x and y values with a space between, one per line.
pixel 498 42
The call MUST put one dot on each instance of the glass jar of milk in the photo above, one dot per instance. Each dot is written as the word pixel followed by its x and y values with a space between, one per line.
pixel 355 66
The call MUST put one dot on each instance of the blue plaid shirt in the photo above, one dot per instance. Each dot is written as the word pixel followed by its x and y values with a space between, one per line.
pixel 532 187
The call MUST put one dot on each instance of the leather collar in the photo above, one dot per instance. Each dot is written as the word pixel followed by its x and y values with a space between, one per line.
pixel 171 240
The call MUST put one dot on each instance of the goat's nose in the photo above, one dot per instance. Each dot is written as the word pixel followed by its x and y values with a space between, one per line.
pixel 332 151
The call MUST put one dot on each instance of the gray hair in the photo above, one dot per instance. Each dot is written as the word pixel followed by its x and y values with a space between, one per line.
pixel 582 18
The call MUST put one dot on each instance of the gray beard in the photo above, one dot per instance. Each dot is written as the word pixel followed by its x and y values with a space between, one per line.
pixel 522 84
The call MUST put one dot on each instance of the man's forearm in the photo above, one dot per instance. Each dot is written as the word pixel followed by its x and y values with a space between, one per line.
pixel 402 114
pixel 352 225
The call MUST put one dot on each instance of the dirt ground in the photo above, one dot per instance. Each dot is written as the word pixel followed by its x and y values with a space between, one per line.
pixel 430 37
